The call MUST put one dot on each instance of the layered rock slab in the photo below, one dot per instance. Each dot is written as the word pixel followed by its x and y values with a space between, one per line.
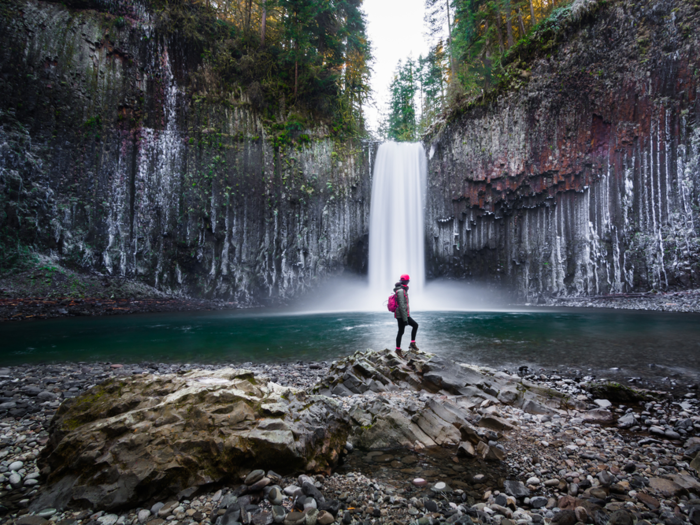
pixel 460 417
pixel 131 440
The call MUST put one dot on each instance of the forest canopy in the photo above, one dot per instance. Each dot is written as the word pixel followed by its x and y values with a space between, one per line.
pixel 310 58
pixel 471 43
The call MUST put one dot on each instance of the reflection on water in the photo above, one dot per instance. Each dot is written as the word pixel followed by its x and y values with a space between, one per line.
pixel 587 339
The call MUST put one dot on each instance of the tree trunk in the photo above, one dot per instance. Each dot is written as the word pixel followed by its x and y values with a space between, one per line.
pixel 533 21
pixel 509 27
pixel 453 66
pixel 498 31
pixel 296 59
pixel 263 23
pixel 248 16
pixel 486 60
pixel 442 91
pixel 521 24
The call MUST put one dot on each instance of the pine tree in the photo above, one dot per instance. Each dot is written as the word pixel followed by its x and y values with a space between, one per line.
pixel 309 55
pixel 400 124
pixel 433 82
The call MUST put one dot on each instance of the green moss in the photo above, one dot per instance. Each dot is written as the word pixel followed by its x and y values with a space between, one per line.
pixel 618 393
pixel 72 424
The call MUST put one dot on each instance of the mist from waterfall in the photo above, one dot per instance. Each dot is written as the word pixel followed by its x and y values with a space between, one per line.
pixel 396 239
pixel 397 246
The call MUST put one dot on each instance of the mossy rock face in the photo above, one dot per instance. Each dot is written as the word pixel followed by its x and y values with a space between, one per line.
pixel 127 442
pixel 617 393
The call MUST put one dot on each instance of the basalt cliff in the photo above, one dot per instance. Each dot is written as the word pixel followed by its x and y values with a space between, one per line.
pixel 110 160
pixel 581 176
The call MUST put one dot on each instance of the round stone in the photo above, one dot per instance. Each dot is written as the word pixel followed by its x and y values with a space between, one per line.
pixel 533 481
pixel 538 502
pixel 311 516
pixel 31 482
pixel 46 513
pixel 275 496
pixel 254 477
pixel 259 485
pixel 292 491
pixel 295 518
pixel 420 482
pixel 167 509
pixel 15 480
pixel 16 465
pixel 108 519
pixel 440 485
pixel 278 513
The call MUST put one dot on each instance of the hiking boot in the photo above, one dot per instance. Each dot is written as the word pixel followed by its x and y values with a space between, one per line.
pixel 400 353
pixel 412 346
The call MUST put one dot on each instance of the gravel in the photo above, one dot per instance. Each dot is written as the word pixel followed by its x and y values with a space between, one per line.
pixel 641 467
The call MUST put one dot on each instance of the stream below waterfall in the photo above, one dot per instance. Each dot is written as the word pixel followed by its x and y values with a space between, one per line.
pixel 638 344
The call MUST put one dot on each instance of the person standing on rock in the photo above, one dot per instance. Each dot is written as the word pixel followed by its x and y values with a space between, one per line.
pixel 403 314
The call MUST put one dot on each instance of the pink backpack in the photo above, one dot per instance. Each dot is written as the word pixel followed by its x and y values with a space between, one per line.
pixel 393 303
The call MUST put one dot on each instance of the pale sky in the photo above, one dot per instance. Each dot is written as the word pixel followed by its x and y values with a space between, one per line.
pixel 395 28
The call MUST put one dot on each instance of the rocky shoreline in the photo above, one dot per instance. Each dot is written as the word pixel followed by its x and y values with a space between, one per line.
pixel 615 460
pixel 34 309
pixel 49 290
pixel 687 301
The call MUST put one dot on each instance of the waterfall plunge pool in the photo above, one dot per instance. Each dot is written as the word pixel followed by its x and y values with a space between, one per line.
pixel 637 344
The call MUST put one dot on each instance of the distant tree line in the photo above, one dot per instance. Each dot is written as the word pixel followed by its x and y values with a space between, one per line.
pixel 469 39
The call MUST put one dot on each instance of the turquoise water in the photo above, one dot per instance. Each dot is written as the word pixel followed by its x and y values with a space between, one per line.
pixel 587 339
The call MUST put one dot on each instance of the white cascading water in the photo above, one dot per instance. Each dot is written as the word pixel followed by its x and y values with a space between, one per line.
pixel 396 239
pixel 397 246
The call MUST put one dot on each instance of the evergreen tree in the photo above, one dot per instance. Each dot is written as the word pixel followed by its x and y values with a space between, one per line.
pixel 310 58
pixel 356 70
pixel 433 86
pixel 400 123
pixel 476 35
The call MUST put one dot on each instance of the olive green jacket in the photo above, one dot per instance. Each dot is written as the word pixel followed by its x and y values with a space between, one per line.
pixel 402 309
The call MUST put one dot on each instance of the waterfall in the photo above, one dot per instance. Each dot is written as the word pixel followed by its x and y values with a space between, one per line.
pixel 397 246
pixel 396 239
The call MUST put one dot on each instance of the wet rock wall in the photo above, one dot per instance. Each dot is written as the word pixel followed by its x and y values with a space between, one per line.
pixel 111 160
pixel 584 178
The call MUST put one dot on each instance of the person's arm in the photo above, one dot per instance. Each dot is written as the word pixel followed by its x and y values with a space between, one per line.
pixel 401 298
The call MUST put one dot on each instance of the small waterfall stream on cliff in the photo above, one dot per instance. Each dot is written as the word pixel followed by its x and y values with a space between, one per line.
pixel 396 239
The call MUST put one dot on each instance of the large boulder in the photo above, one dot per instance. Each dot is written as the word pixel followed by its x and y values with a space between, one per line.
pixel 618 393
pixel 384 371
pixel 387 424
pixel 133 440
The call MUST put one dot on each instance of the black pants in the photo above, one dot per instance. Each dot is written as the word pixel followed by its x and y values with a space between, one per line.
pixel 402 328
